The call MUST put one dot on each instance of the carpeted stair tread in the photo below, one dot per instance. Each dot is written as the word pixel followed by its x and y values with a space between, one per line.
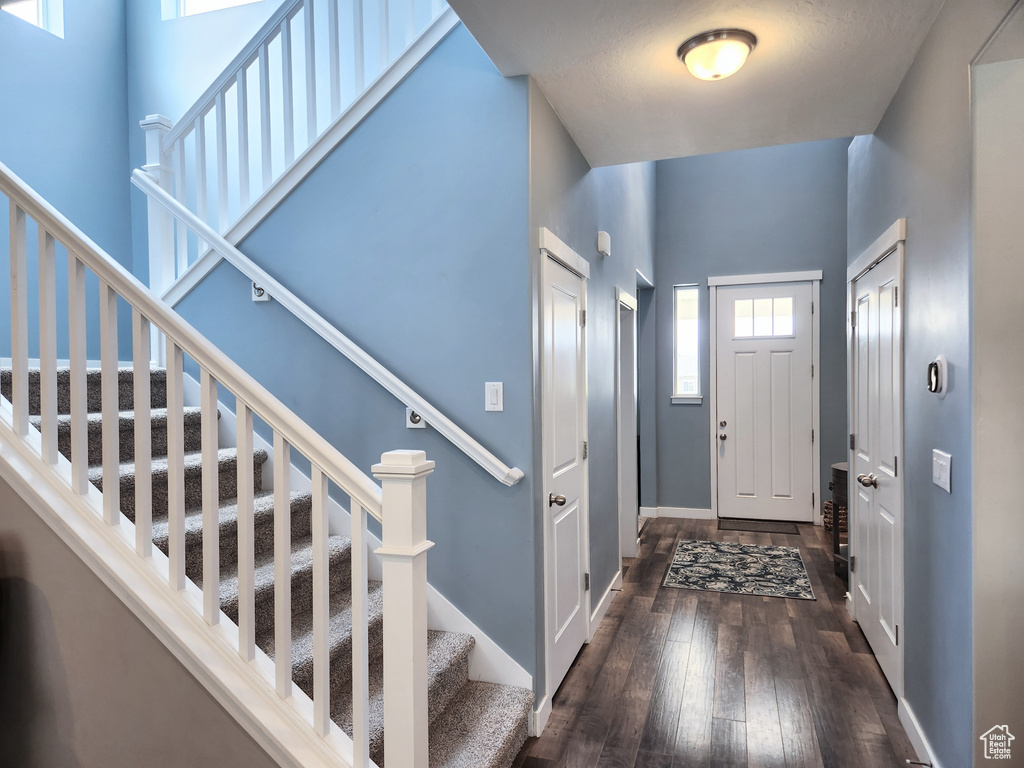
pixel 447 672
pixel 227 479
pixel 191 419
pixel 94 398
pixel 263 528
pixel 340 575
pixel 484 726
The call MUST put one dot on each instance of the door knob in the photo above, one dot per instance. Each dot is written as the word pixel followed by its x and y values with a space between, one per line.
pixel 722 436
pixel 553 500
pixel 868 481
pixel 721 423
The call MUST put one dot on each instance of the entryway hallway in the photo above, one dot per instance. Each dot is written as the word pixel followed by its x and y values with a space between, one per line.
pixel 678 677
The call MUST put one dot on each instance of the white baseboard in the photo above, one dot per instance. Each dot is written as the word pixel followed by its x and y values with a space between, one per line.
pixel 686 512
pixel 602 607
pixel 648 511
pixel 488 662
pixel 541 714
pixel 916 734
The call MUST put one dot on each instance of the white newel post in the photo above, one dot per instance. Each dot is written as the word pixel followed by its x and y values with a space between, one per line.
pixel 161 223
pixel 403 478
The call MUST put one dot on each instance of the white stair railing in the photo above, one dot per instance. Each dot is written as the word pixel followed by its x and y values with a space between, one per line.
pixel 296 81
pixel 259 692
pixel 410 398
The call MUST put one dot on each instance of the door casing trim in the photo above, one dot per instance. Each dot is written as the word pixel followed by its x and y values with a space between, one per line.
pixel 814 278
pixel 624 301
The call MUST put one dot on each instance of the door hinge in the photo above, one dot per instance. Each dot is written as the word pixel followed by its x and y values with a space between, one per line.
pixel 812 435
pixel 897 635
pixel 895 466
pixel 812 370
pixel 896 301
pixel 583 318
pixel 853 318
pixel 812 307
pixel 585 449
pixel 586 582
pixel 853 563
pixel 852 442
pixel 813 505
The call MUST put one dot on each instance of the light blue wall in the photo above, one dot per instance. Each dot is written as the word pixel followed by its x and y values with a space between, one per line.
pixel 776 209
pixel 918 166
pixel 63 132
pixel 411 237
pixel 575 201
pixel 171 63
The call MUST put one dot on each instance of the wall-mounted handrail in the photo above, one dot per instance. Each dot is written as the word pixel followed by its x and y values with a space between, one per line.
pixel 277 415
pixel 455 434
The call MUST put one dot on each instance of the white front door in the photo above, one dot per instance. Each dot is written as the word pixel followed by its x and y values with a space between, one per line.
pixel 764 412
pixel 875 492
pixel 563 377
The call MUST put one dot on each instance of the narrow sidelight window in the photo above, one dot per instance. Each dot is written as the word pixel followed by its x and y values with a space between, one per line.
pixel 685 341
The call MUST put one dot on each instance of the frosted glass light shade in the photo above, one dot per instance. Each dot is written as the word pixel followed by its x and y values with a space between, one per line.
pixel 717 54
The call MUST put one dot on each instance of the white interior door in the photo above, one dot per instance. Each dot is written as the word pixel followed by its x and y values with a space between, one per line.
pixel 763 440
pixel 629 502
pixel 875 489
pixel 563 377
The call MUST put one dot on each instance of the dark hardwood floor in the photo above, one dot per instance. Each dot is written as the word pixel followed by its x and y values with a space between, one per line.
pixel 680 678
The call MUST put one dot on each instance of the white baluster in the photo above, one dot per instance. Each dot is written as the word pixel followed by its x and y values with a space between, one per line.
pixel 181 195
pixel 358 47
pixel 201 188
pixel 109 386
pixel 360 640
pixel 48 345
pixel 221 122
pixel 211 499
pixel 161 223
pixel 287 88
pixel 246 535
pixel 403 477
pixel 307 14
pixel 79 400
pixel 242 89
pixel 19 319
pixel 175 468
pixel 141 397
pixel 282 567
pixel 321 608
pixel 334 51
pixel 385 35
pixel 264 62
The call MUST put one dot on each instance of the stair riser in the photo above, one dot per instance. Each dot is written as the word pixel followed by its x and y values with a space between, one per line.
pixel 227 482
pixel 126 393
pixel 126 439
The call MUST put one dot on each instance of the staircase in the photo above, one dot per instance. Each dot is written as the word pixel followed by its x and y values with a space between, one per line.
pixel 473 724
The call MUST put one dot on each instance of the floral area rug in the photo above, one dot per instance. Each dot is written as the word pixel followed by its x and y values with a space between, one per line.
pixel 743 569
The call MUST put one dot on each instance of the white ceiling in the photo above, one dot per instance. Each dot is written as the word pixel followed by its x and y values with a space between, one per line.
pixel 822 68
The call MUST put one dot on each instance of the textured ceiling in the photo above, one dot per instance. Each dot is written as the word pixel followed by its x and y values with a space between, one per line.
pixel 822 68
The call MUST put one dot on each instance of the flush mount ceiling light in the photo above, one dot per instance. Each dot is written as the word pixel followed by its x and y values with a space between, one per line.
pixel 716 54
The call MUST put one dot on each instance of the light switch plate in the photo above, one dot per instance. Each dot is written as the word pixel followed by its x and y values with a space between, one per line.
pixel 494 396
pixel 941 465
